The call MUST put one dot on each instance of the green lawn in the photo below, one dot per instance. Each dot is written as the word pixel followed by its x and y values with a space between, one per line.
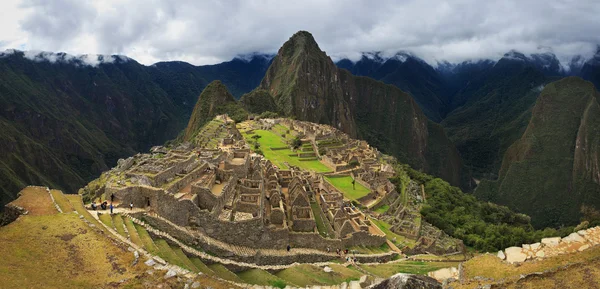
pixel 385 227
pixel 261 277
pixel 344 184
pixel 270 140
pixel 304 275
pixel 412 267
pixel 382 209
pixel 320 225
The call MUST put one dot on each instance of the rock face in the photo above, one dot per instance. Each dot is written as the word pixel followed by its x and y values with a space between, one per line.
pixel 408 281
pixel 305 83
pixel 554 168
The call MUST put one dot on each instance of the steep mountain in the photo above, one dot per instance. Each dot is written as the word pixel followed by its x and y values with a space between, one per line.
pixel 65 119
pixel 591 69
pixel 554 167
pixel 215 99
pixel 493 109
pixel 410 74
pixel 305 83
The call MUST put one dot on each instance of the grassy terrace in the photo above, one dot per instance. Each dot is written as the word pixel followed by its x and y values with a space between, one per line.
pixel 382 209
pixel 344 184
pixel 304 275
pixel 412 267
pixel 320 225
pixel 269 139
pixel 401 241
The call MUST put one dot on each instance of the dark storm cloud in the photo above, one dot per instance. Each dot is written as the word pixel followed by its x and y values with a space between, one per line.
pixel 212 31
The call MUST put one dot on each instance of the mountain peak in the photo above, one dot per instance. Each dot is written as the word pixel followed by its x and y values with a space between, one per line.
pixel 301 42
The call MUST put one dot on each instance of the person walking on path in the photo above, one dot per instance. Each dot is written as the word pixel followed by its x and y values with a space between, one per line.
pixel 111 208
pixel 131 206
pixel 112 198
pixel 289 248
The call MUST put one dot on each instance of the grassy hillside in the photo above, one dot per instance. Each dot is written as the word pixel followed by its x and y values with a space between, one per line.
pixel 552 170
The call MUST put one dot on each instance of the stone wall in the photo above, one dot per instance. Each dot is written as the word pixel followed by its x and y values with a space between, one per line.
pixel 226 194
pixel 206 199
pixel 180 184
pixel 10 214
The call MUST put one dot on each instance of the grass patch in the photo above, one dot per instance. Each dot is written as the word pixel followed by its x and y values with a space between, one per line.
pixel 400 241
pixel 412 267
pixel 119 226
pixel 146 240
pixel 261 277
pixel 321 227
pixel 382 209
pixel 304 275
pixel 133 235
pixel 201 266
pixel 77 204
pixel 36 201
pixel 165 252
pixel 344 184
pixel 269 139
pixel 107 220
pixel 61 201
pixel 52 252
pixel 224 273
pixel 184 258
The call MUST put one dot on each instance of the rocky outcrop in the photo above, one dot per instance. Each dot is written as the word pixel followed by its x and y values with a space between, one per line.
pixel 408 281
pixel 549 247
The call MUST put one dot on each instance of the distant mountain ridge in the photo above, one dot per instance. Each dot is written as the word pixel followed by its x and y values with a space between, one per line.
pixel 65 119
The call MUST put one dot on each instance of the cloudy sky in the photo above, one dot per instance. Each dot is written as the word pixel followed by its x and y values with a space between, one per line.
pixel 212 31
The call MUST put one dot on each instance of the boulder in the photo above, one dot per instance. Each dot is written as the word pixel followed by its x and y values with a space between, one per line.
pixel 535 246
pixel 407 281
pixel 327 269
pixel 501 255
pixel 574 237
pixel 584 247
pixel 170 273
pixel 515 255
pixel 540 254
pixel 551 241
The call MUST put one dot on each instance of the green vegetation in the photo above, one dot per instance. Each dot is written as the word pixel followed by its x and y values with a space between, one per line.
pixel 106 219
pixel 214 100
pixel 412 267
pixel 201 266
pixel 261 277
pixel 481 225
pixel 398 240
pixel 146 240
pixel 133 235
pixel 320 225
pixel 345 185
pixel 550 163
pixel 117 221
pixel 269 140
pixel 303 275
pixel 382 209
pixel 224 273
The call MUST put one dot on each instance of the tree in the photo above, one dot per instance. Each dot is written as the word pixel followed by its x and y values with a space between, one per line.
pixel 297 142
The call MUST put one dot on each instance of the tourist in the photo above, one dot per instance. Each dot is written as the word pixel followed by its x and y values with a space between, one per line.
pixel 289 248
pixel 103 205
pixel 131 206
pixel 94 206
pixel 111 208
pixel 112 198
pixel 328 250
pixel 346 252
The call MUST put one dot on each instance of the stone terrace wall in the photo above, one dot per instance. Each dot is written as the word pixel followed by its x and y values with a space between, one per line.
pixel 177 186
pixel 226 194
